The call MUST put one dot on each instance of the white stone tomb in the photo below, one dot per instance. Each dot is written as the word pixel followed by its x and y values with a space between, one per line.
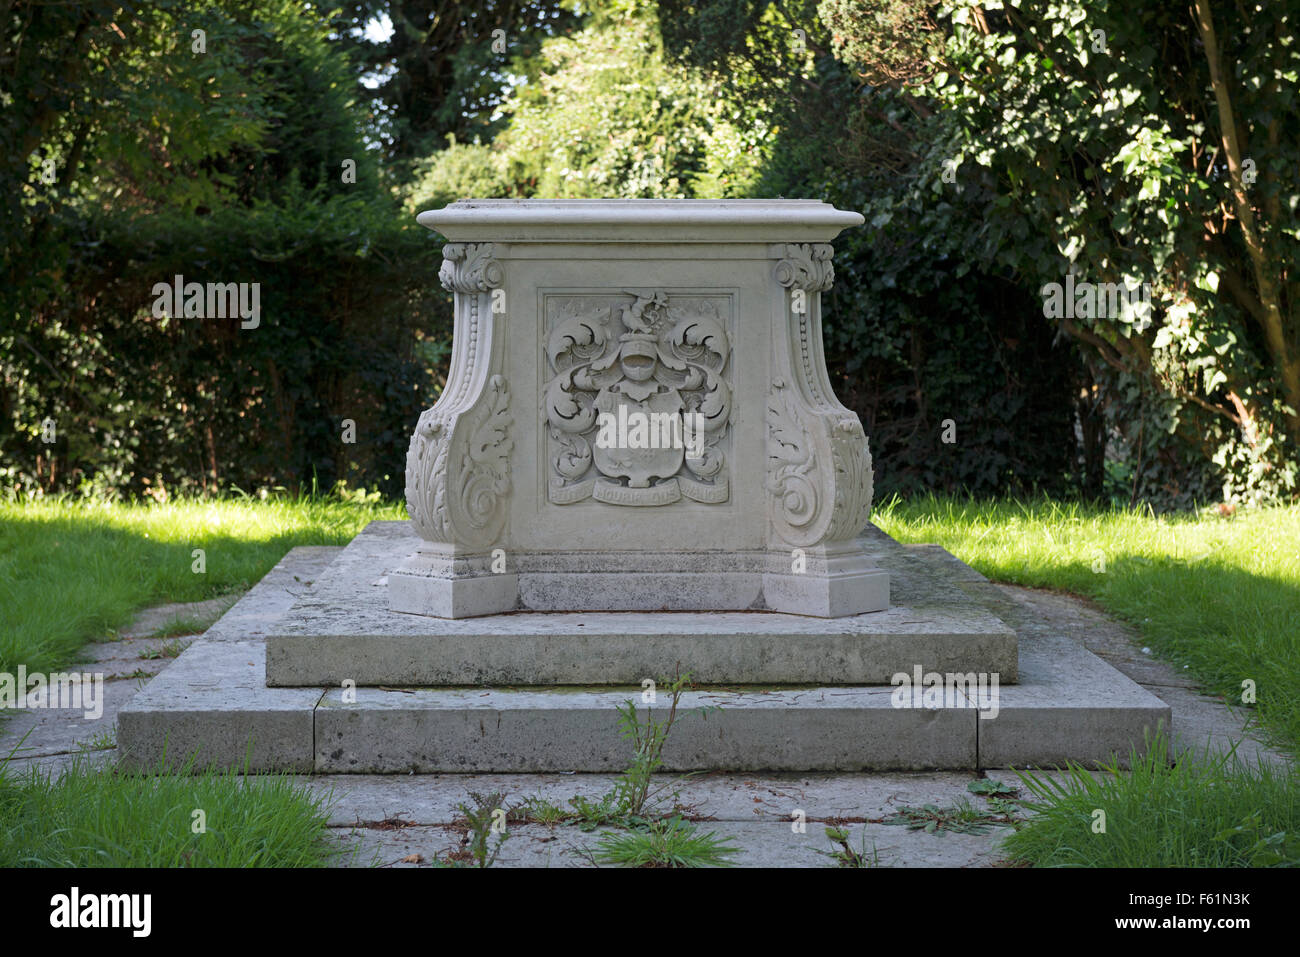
pixel 638 416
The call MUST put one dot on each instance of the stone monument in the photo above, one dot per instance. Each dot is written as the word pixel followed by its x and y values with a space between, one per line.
pixel 637 469
pixel 638 416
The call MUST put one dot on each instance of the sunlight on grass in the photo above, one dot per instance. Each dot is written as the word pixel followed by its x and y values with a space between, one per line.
pixel 71 571
pixel 1218 594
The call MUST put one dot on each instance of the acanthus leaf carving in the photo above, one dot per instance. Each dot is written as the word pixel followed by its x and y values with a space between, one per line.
pixel 485 465
pixel 792 478
pixel 461 498
pixel 426 468
pixel 854 481
pixel 469 267
pixel 819 463
pixel 457 465
pixel 806 266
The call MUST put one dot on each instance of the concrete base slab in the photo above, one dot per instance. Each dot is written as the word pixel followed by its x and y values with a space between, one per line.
pixel 213 704
pixel 554 729
pixel 345 631
pixel 1070 706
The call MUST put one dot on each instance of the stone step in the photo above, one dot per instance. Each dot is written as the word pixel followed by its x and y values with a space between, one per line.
pixel 344 631
pixel 213 703
pixel 1070 705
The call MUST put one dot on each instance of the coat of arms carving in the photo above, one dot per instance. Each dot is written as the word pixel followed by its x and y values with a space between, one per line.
pixel 656 361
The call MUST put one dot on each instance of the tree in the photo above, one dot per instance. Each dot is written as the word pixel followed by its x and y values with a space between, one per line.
pixel 1116 142
pixel 608 117
pixel 447 67
pixel 208 140
pixel 917 335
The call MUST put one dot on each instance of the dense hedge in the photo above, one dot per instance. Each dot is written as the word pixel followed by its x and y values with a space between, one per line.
pixel 958 381
pixel 353 325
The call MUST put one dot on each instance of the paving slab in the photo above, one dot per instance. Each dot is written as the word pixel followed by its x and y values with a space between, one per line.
pixel 213 705
pixel 41 732
pixel 392 820
pixel 199 614
pixel 344 631
pixel 765 845
pixel 131 658
pixel 53 765
pixel 428 799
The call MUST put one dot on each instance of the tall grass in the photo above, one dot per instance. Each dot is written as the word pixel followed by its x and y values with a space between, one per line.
pixel 1200 812
pixel 97 817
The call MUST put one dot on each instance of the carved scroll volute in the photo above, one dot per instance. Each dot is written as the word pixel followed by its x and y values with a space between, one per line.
pixel 819 474
pixel 458 463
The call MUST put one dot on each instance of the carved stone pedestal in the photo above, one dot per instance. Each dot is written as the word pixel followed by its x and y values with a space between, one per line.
pixel 532 489
pixel 638 416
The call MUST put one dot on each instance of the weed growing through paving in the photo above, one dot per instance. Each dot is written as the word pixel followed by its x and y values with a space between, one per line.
pixel 633 793
pixel 845 855
pixel 171 649
pixel 992 788
pixel 184 625
pixel 1197 812
pixel 962 818
pixel 486 820
pixel 634 800
pixel 102 741
pixel 537 810
pixel 649 838
pixel 1002 799
pixel 669 842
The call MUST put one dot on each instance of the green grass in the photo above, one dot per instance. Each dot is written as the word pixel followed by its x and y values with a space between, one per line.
pixel 669 842
pixel 1218 594
pixel 1216 812
pixel 97 817
pixel 71 571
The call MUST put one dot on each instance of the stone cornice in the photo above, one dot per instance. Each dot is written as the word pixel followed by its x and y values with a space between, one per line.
pixel 674 221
